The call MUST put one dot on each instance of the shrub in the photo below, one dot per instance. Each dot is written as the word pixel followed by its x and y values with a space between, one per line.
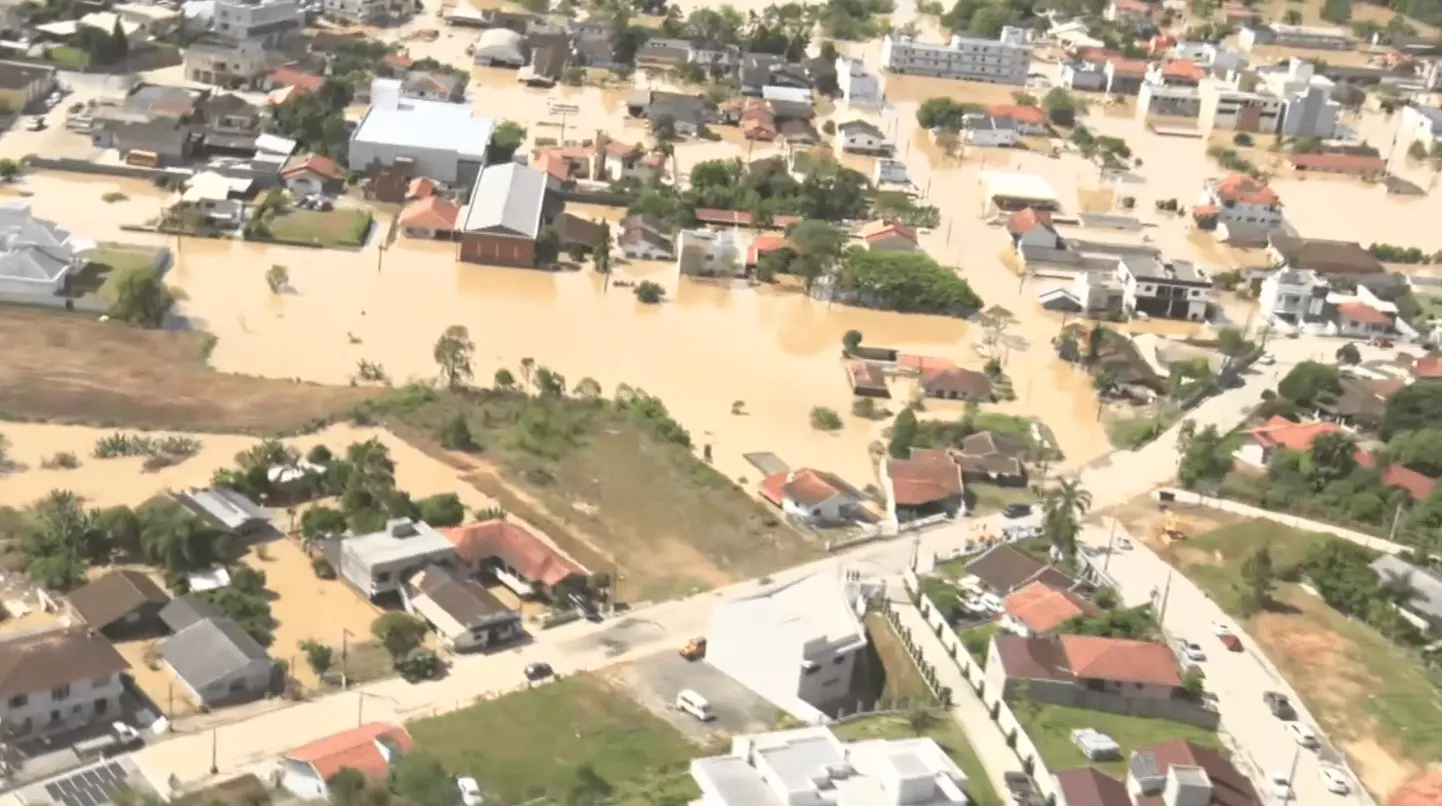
pixel 444 509
pixel 824 419
pixel 649 292
pixel 1242 139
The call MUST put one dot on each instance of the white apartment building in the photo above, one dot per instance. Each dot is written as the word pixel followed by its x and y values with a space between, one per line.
pixel 58 679
pixel 265 20
pixel 858 86
pixel 1310 110
pixel 1227 108
pixel 1239 199
pixel 1169 290
pixel 1423 123
pixel 708 253
pixel 1296 36
pixel 811 767
pixel 795 643
pixel 1294 296
pixel 368 10
pixel 1214 57
pixel 1002 61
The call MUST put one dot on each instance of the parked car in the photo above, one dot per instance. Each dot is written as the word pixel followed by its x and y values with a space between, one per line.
pixel 1191 651
pixel 1016 510
pixel 539 671
pixel 695 649
pixel 1335 780
pixel 1280 785
pixel 470 791
pixel 1279 705
pixel 1303 735
pixel 694 704
pixel 1220 628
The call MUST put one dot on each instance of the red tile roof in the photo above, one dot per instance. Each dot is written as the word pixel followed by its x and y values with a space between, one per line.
pixel 1338 163
pixel 1229 786
pixel 431 212
pixel 1043 608
pixel 301 80
pixel 924 363
pixel 1093 657
pixel 1128 67
pixel 420 188
pixel 1417 485
pixel 925 478
pixel 876 230
pixel 761 244
pixel 1364 313
pixel 1235 187
pixel 1424 790
pixel 1024 114
pixel 1283 433
pixel 1089 786
pixel 1428 367
pixel 806 487
pixel 355 749
pixel 1183 68
pixel 321 166
pixel 739 218
pixel 531 556
pixel 1023 221
pixel 1134 6
pixel 956 380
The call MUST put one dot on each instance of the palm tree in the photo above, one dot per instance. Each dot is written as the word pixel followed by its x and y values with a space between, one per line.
pixel 1063 507
pixel 173 539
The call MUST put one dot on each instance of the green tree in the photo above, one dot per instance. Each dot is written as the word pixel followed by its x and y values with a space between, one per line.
pixel 119 44
pixel 850 340
pixel 399 633
pixel 1417 151
pixel 1063 507
pixel 1349 355
pixel 587 787
pixel 453 353
pixel 1234 345
pixel 318 656
pixel 9 169
pixel 1257 580
pixel 1194 683
pixel 1331 458
pixel 347 787
pixel 505 140
pixel 650 293
pixel 601 256
pixel 504 380
pixel 419 778
pixel 1419 450
pixel 1336 11
pixel 277 277
pixel 824 419
pixel 321 521
pixel 141 297
pixel 1412 408
pixel 1205 459
pixel 903 434
pixel 455 433
pixel 442 509
pixel 1310 382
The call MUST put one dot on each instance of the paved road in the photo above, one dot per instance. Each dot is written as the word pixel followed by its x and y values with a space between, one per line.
pixel 1238 679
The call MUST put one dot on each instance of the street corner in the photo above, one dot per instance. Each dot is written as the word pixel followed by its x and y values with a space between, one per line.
pixel 655 681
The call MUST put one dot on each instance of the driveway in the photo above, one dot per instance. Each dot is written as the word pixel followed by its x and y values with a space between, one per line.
pixel 654 682
pixel 1238 679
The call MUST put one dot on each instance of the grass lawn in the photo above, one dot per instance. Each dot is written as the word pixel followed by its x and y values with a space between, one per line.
pixel 1050 728
pixel 945 731
pixel 68 58
pixel 1214 559
pixel 993 498
pixel 977 640
pixel 339 227
pixel 900 675
pixel 102 268
pixel 528 744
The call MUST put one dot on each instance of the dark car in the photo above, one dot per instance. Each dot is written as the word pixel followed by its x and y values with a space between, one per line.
pixel 538 671
pixel 1279 705
pixel 1016 510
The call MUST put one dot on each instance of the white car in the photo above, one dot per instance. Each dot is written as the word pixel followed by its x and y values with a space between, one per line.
pixel 1191 651
pixel 470 791
pixel 1221 628
pixel 1303 735
pixel 1335 780
pixel 1281 787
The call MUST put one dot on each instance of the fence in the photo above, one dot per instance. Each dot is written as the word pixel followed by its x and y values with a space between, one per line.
pixel 1249 511
pixel 927 671
pixel 104 169
pixel 1073 696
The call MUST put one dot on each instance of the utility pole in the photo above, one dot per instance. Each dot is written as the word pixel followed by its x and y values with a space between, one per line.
pixel 1166 594
pixel 1391 533
pixel 344 648
pixel 1110 541
pixel 214 740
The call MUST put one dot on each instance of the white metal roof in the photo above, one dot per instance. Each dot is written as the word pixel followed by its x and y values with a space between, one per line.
pixel 437 125
pixel 816 606
pixel 508 196
pixel 1013 185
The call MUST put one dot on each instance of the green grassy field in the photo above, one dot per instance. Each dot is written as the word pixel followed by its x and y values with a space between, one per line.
pixel 901 677
pixel 342 227
pixel 945 731
pixel 104 266
pixel 1050 727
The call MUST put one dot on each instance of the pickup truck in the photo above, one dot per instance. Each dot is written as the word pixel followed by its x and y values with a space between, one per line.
pixel 120 738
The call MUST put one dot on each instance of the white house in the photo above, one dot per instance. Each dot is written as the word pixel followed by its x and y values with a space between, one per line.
pixel 858 86
pixel 1362 315
pixel 811 766
pixel 1239 199
pixel 36 256
pixel 985 130
pixel 795 644
pixel 814 496
pixel 369 749
pixel 861 137
pixel 57 680
pixel 1166 289
pixel 381 562
pixel 1423 123
pixel 890 172
pixel 1294 296
pixel 708 253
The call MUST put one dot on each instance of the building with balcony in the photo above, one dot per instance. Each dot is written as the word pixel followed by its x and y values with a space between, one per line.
pixel 1168 289
pixel 1000 61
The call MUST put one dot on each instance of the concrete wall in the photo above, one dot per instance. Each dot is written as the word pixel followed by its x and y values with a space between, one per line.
pixel 1073 696
pixel 77 708
pixel 1360 538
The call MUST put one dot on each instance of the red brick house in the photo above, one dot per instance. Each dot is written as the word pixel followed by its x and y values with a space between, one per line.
pixel 505 216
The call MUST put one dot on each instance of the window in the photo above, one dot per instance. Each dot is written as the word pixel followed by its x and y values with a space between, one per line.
pixel 839 659
pixel 384 576
pixel 101 706
pixel 19 700
pixel 60 692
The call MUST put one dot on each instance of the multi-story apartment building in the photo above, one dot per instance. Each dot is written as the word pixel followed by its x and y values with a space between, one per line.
pixel 1422 123
pixel 369 10
pixel 55 680
pixel 1002 61
pixel 228 64
pixel 1294 295
pixel 856 84
pixel 1295 36
pixel 1171 290
pixel 266 21
pixel 1230 109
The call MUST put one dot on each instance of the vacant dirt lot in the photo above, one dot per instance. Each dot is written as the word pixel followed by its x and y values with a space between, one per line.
pixel 63 368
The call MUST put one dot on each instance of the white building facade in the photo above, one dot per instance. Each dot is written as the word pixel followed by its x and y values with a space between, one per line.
pixel 858 86
pixel 1293 296
pixel 267 22
pixel 1001 61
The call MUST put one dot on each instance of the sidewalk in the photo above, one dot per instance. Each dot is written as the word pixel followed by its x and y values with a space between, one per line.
pixel 966 708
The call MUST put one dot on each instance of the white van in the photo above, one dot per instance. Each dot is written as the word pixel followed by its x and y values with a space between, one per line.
pixel 695 705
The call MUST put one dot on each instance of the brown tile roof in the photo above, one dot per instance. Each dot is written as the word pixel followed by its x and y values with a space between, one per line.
pixel 1184 69
pixel 1362 312
pixel 880 228
pixel 1043 608
pixel 1424 790
pixel 114 596
pixel 1003 568
pixel 956 380
pixel 1023 221
pixel 1089 786
pixel 1024 114
pixel 37 662
pixel 465 600
pixel 1094 657
pixel 531 556
pixel 1229 786
pixel 1235 187
pixel 313 163
pixel 353 749
pixel 1031 658
pixel 1416 484
pixel 1281 432
pixel 739 218
pixel 431 212
pixel 866 376
pixel 806 487
pixel 420 188
pixel 1427 367
pixel 923 479
pixel 1127 67
pixel 293 77
pixel 1339 163
pixel 761 244
pixel 1326 256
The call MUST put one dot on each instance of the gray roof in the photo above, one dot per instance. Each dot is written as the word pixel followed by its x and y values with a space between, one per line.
pixel 401 539
pixel 221 506
pixel 1432 115
pixel 506 200
pixel 162 100
pixel 1174 271
pixel 735 781
pixel 209 651
pixel 412 123
pixel 1427 598
pixel 861 126
pixel 15 76
pixel 465 600
pixel 35 249
pixel 187 610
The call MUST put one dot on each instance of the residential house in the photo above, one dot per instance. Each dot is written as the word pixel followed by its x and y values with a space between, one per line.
pixel 228 124
pixel 600 159
pixel 1294 296
pixel 1325 257
pixel 861 137
pixel 760 70
pixel 369 11
pixel 215 661
pixel 688 114
pixel 37 257
pixel 370 749
pixel 1002 569
pixel 1127 77
pixel 464 614
pixel 1025 119
pixel 708 253
pixel 994 458
pixel 120 604
pixel 56 680
pixel 1077 74
pixel 765 243
pixel 379 563
pixel 758 122
pixel 1038 609
pixel 1358 165
pixel 882 235
pixel 795 643
pixel 266 22
pixel 1183 772
pixel 663 53
pixel 1238 199
pixel 1228 108
pixel 505 216
pixel 990 132
pixel 234 64
pixel 1133 670
pixel 224 509
pixel 791 766
pixel 295 76
pixel 1263 443
pixel 22 85
pixel 644 237
pixel 888 171
pixel 499 47
pixel 1422 123
pixel 578 235
pixel 1362 315
pixel 955 383
pixel 434 85
pixel 306 174
pixel 1001 61
pixel 1089 786
pixel 514 556
pixel 430 217
pixel 1424 585
pixel 814 496
pixel 217 198
pixel 1032 228
pixel 1168 289
pixel 927 483
pixel 867 380
pixel 1295 36
pixel 857 86
pixel 1362 403
pixel 444 141
pixel 1130 11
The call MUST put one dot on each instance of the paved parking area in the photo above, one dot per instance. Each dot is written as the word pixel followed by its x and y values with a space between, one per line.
pixel 654 682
